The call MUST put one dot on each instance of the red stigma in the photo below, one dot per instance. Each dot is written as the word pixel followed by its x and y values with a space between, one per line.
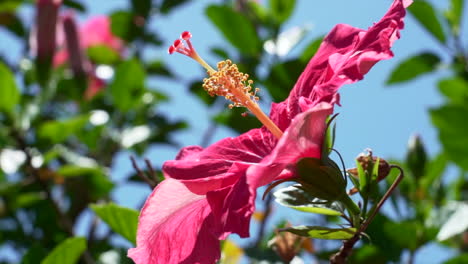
pixel 186 35
pixel 171 49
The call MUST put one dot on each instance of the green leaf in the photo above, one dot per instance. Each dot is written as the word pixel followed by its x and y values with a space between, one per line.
pixel 456 224
pixel 59 131
pixel 281 78
pixel 454 15
pixel 296 198
pixel 75 5
pixel 102 54
pixel 311 49
pixel 243 35
pixel 460 259
pixel 122 25
pixel 9 94
pixel 435 170
pixel 414 67
pixel 123 221
pixel 456 89
pixel 451 122
pixel 321 232
pixel 168 5
pixel 67 252
pixel 282 10
pixel 158 67
pixel 128 84
pixel 12 23
pixel 234 119
pixel 426 15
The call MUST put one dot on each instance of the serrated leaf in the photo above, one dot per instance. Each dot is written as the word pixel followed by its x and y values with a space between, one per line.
pixel 425 13
pixel 298 199
pixel 413 67
pixel 9 93
pixel 243 35
pixel 321 232
pixel 123 221
pixel 67 252
pixel 281 10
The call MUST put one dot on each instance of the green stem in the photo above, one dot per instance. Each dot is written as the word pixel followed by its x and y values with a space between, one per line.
pixel 352 208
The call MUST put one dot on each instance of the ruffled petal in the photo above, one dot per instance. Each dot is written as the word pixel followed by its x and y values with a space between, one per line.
pixel 345 55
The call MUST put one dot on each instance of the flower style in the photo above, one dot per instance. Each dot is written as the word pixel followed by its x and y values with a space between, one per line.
pixel 210 193
pixel 74 41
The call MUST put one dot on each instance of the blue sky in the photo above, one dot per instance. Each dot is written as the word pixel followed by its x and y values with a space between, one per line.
pixel 372 115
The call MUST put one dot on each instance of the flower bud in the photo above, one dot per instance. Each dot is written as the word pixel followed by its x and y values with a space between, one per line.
pixel 321 181
pixel 46 20
pixel 416 157
pixel 78 62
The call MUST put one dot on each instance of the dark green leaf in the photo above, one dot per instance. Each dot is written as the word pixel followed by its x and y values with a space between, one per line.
pixel 413 67
pixel 66 252
pixel 456 89
pixel 282 77
pixel 122 25
pixel 158 67
pixel 9 94
pixel 197 89
pixel 451 122
pixel 141 7
pixel 416 157
pixel 426 15
pixel 321 232
pixel 59 131
pixel 12 23
pixel 282 10
pixel 234 119
pixel 435 170
pixel 102 54
pixel 128 84
pixel 460 259
pixel 75 5
pixel 243 35
pixel 298 199
pixel 168 5
pixel 311 49
pixel 122 220
pixel 404 234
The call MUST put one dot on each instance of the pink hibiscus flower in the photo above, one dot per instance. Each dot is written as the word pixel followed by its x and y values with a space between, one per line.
pixel 210 193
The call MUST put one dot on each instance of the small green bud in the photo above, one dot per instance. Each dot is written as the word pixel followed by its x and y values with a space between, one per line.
pixel 416 157
pixel 321 181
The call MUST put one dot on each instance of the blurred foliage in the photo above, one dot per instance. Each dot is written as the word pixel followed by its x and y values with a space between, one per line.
pixel 59 138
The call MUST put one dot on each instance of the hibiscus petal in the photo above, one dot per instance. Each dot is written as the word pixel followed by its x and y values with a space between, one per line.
pixel 303 138
pixel 175 226
pixel 210 169
pixel 346 54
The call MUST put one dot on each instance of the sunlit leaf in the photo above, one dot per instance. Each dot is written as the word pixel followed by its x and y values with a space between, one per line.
pixel 123 221
pixel 298 199
pixel 456 223
pixel 102 54
pixel 66 252
pixel 413 67
pixel 321 232
pixel 128 84
pixel 58 131
pixel 456 89
pixel 9 93
pixel 242 36
pixel 231 253
pixel 451 123
pixel 454 14
pixel 425 13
